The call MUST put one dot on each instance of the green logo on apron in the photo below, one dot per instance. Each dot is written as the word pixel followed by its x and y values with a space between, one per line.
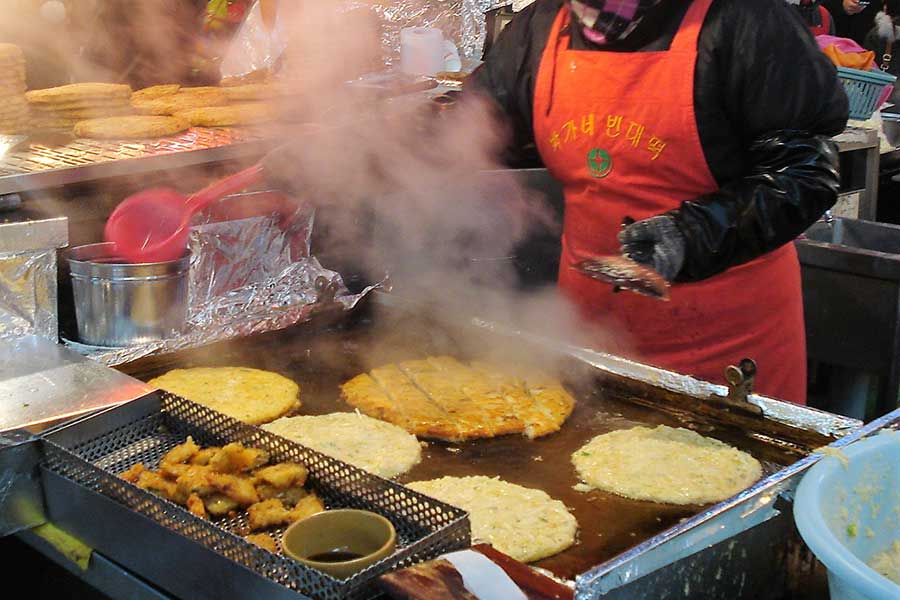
pixel 599 162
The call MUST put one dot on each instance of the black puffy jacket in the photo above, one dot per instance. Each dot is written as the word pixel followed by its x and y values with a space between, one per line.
pixel 767 102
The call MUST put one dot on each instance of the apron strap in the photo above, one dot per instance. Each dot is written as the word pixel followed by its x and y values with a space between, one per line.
pixel 689 32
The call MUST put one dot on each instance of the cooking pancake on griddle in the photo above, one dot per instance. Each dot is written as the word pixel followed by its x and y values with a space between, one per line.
pixel 441 397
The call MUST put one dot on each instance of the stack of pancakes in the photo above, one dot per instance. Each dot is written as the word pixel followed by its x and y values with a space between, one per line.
pixel 61 107
pixel 13 108
pixel 208 106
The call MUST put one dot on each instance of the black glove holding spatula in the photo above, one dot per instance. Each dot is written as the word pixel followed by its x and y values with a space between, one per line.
pixel 655 242
pixel 653 252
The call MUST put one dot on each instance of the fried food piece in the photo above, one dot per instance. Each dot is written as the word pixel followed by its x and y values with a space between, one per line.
pixel 130 126
pixel 189 479
pixel 263 540
pixel 290 496
pixel 195 506
pixel 173 471
pixel 79 91
pixel 268 513
pixel 225 116
pixel 156 483
pixel 132 473
pixel 307 507
pixel 273 513
pixel 239 489
pixel 204 455
pixel 182 452
pixel 235 458
pixel 219 505
pixel 283 475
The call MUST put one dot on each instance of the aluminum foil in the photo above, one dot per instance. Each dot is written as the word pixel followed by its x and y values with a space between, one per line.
pixel 461 21
pixel 28 294
pixel 249 275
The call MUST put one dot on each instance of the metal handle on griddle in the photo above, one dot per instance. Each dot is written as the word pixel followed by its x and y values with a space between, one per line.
pixel 740 380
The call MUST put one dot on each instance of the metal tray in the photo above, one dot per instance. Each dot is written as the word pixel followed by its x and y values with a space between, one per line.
pixel 91 452
pixel 611 394
pixel 52 159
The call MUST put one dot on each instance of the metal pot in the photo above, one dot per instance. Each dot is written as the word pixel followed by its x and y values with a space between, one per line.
pixel 890 124
pixel 123 304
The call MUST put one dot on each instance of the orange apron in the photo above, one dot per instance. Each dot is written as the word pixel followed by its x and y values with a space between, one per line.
pixel 619 131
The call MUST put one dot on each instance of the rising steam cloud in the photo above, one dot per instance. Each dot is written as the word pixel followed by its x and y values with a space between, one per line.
pixel 414 191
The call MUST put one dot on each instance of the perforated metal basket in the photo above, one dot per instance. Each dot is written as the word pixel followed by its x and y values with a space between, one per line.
pixel 92 452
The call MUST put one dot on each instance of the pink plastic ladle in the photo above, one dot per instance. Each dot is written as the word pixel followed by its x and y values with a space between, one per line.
pixel 153 225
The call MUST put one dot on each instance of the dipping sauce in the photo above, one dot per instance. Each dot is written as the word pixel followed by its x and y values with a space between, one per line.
pixel 334 556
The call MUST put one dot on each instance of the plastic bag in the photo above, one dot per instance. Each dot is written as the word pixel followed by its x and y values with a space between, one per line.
pixel 253 47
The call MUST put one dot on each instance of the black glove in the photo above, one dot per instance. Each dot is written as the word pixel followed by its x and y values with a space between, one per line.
pixel 656 242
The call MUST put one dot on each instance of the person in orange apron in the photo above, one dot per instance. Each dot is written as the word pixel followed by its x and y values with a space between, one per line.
pixel 708 124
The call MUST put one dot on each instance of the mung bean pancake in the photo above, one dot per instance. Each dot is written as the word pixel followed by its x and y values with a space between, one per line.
pixel 226 116
pixel 181 101
pixel 130 126
pixel 250 395
pixel 156 91
pixel 441 397
pixel 249 91
pixel 75 92
pixel 81 114
pixel 372 445
pixel 665 464
pixel 524 523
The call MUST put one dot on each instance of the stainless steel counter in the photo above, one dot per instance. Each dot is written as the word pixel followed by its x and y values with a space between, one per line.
pixel 42 382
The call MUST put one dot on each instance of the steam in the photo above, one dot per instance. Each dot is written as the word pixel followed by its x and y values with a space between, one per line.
pixel 402 187
pixel 421 185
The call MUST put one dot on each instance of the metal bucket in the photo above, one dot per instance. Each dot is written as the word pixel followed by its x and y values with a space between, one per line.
pixel 122 304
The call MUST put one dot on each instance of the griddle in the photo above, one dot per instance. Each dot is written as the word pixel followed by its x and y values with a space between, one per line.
pixel 320 359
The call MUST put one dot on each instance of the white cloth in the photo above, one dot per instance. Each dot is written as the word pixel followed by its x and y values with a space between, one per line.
pixel 482 577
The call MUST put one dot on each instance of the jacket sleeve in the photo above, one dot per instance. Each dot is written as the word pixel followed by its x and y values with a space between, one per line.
pixel 783 98
pixel 508 76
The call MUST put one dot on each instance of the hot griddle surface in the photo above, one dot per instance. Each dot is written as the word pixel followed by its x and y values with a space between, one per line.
pixel 608 525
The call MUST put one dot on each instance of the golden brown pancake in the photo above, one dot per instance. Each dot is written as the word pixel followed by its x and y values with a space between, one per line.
pixel 132 126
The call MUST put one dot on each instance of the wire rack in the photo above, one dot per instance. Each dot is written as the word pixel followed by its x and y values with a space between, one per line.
pixel 425 527
pixel 82 159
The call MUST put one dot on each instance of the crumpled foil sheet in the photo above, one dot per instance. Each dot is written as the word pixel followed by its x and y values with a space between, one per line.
pixel 461 21
pixel 28 294
pixel 248 275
